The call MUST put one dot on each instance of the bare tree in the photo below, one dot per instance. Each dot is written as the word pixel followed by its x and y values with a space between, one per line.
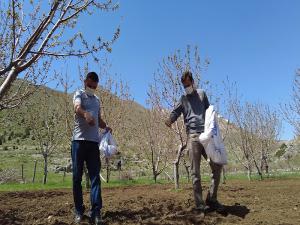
pixel 268 127
pixel 46 125
pixel 155 142
pixel 29 42
pixel 166 90
pixel 291 110
pixel 254 130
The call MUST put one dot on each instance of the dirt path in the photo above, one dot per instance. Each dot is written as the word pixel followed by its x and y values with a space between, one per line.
pixel 267 202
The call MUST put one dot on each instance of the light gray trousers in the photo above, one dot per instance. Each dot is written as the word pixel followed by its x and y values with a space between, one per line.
pixel 196 149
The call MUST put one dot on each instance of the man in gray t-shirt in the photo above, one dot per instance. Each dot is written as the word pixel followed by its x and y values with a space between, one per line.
pixel 193 106
pixel 85 147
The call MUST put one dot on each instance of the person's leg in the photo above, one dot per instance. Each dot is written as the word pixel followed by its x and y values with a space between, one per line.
pixel 194 148
pixel 215 180
pixel 93 166
pixel 211 199
pixel 77 152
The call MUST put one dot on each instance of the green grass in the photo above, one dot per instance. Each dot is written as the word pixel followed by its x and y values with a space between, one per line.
pixel 55 181
pixel 35 186
pixel 273 175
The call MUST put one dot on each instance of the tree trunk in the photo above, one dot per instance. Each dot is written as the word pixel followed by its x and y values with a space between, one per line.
pixel 22 172
pixel 64 176
pixel 176 174
pixel 267 170
pixel 187 169
pixel 224 175
pixel 266 165
pixel 34 171
pixel 107 171
pixel 176 166
pixel 155 177
pixel 45 169
pixel 258 170
pixel 154 172
pixel 249 172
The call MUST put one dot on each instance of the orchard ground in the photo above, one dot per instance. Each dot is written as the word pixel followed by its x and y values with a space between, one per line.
pixel 271 201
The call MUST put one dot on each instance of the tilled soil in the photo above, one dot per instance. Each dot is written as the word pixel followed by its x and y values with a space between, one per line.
pixel 256 202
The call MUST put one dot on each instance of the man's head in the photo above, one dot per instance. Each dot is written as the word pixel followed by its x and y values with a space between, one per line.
pixel 91 83
pixel 187 81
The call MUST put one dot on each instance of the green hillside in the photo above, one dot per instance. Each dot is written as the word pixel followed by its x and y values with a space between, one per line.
pixel 18 143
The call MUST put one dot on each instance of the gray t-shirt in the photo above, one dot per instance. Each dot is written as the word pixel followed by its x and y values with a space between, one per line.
pixel 193 108
pixel 82 130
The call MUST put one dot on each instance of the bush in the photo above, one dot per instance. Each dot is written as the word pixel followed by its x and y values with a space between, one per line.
pixel 280 153
pixel 283 146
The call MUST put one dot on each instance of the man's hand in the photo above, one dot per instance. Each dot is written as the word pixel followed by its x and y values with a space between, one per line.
pixel 89 119
pixel 168 122
pixel 86 115
pixel 108 129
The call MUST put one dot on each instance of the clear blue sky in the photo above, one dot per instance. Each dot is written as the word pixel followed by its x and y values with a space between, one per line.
pixel 254 42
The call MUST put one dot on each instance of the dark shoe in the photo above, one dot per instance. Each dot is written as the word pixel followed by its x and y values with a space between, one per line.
pixel 78 219
pixel 201 208
pixel 97 220
pixel 215 206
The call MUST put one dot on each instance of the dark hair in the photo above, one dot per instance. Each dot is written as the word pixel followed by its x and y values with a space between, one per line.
pixel 187 74
pixel 93 76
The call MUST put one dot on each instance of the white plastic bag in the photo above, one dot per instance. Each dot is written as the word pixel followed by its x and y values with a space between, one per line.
pixel 211 139
pixel 108 144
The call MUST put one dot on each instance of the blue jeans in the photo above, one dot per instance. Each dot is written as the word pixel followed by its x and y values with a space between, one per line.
pixel 89 152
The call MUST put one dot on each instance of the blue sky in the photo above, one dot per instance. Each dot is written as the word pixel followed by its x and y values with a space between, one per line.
pixel 253 42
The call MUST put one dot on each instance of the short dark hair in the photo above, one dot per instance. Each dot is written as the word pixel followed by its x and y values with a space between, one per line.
pixel 187 74
pixel 93 76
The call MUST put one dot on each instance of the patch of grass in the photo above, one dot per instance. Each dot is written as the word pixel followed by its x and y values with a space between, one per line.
pixel 272 175
pixel 285 175
pixel 35 186
pixel 55 181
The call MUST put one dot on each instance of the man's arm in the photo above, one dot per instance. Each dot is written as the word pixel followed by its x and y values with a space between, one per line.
pixel 80 111
pixel 102 124
pixel 86 115
pixel 174 114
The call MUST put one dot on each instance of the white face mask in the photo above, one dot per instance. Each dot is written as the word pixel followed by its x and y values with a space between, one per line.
pixel 89 91
pixel 189 90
